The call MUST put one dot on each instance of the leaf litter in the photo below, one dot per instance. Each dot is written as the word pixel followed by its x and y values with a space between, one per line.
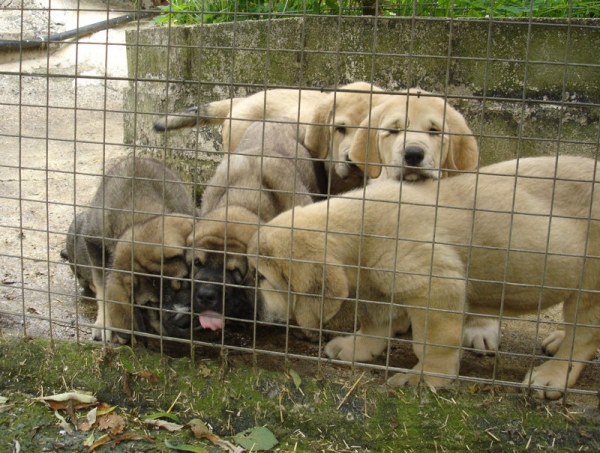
pixel 102 418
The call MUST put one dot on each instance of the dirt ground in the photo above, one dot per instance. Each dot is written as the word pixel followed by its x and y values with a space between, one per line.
pixel 62 126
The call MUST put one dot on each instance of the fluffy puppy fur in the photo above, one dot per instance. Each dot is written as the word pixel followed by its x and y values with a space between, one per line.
pixel 268 173
pixel 76 253
pixel 331 120
pixel 476 244
pixel 332 128
pixel 134 231
pixel 237 114
pixel 414 136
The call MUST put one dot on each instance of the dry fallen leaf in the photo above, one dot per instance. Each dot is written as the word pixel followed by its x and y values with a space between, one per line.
pixel 113 423
pixel 106 438
pixel 128 437
pixel 75 396
pixel 60 406
pixel 169 426
pixel 63 423
pixel 201 431
pixel 148 375
pixel 101 441
pixel 104 408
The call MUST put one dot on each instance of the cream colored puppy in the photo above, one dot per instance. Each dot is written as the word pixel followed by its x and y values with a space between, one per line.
pixel 334 123
pixel 414 136
pixel 331 121
pixel 474 244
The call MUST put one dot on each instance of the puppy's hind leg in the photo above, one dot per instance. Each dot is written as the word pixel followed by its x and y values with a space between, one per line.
pixel 578 346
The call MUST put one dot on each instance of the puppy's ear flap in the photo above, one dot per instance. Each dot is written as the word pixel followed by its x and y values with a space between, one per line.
pixel 463 153
pixel 311 279
pixel 317 136
pixel 364 149
pixel 156 246
pixel 168 254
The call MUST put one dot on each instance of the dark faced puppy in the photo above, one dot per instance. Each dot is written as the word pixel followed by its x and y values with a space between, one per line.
pixel 269 173
pixel 148 258
pixel 171 314
pixel 134 230
pixel 222 283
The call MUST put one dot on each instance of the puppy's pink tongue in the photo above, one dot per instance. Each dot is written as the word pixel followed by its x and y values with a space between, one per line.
pixel 211 320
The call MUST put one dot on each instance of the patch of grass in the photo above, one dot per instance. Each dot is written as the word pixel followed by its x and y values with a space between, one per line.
pixel 343 412
pixel 214 11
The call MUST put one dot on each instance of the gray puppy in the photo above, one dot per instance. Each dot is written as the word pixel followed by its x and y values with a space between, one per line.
pixel 134 232
pixel 75 252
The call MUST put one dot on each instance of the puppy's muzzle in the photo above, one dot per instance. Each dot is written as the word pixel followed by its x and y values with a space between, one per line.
pixel 208 296
pixel 414 156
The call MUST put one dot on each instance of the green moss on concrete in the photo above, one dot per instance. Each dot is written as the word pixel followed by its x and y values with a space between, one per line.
pixel 321 414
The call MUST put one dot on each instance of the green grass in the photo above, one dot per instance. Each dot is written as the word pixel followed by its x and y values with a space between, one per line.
pixel 214 11
pixel 334 411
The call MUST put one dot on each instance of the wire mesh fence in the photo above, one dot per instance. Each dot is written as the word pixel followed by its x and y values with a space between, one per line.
pixel 243 223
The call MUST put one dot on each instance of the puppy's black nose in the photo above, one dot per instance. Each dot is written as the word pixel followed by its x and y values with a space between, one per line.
pixel 208 296
pixel 413 156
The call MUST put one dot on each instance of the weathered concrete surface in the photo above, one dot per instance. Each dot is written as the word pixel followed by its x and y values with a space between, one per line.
pixel 526 88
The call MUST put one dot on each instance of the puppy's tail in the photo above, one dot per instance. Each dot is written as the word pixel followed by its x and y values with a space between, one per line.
pixel 213 113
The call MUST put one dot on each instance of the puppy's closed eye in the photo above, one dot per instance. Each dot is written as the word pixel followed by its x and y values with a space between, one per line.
pixel 260 278
pixel 172 259
pixel 237 275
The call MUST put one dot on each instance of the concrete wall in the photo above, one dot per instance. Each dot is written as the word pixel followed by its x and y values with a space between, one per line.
pixel 526 88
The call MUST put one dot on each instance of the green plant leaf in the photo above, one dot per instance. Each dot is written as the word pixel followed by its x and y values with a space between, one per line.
pixel 156 415
pixel 296 377
pixel 256 439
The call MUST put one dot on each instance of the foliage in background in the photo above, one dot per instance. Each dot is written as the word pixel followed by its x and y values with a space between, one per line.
pixel 214 11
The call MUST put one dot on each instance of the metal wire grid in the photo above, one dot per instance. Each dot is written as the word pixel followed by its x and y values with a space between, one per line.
pixel 33 271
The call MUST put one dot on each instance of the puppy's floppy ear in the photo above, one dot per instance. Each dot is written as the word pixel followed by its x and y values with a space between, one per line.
pixel 463 153
pixel 171 234
pixel 317 137
pixel 234 223
pixel 310 278
pixel 366 136
pixel 156 246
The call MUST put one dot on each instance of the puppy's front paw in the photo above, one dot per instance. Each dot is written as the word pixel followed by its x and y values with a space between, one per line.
pixel 341 348
pixel 102 333
pixel 97 334
pixel 546 375
pixel 553 341
pixel 352 349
